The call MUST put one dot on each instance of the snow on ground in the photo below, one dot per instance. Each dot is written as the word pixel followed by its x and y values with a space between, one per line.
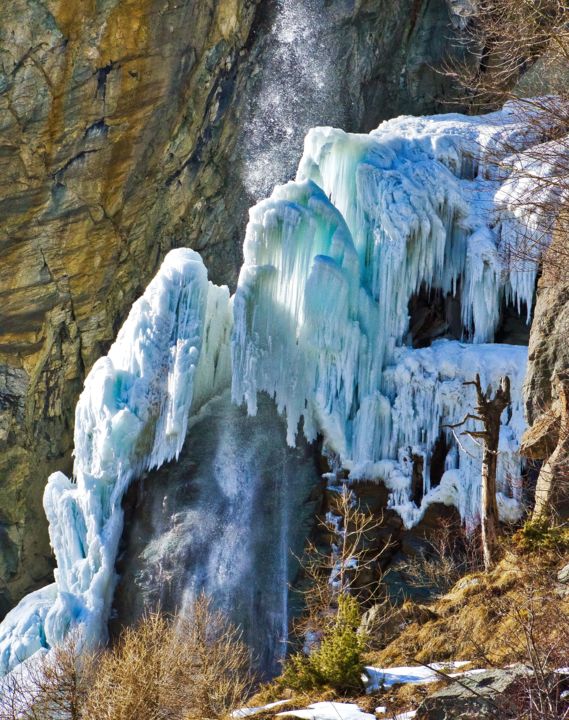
pixel 329 711
pixel 250 712
pixel 381 678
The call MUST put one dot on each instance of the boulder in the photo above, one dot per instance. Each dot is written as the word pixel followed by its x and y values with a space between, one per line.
pixel 475 697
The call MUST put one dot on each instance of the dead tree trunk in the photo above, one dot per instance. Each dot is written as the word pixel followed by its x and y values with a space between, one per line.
pixel 488 411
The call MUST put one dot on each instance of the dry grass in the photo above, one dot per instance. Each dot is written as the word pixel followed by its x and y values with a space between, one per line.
pixel 477 619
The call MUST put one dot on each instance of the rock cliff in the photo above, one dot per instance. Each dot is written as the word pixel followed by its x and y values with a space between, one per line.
pixel 547 386
pixel 125 126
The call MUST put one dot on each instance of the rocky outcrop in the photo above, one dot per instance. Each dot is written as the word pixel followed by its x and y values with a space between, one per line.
pixel 484 695
pixel 547 389
pixel 101 106
pixel 124 129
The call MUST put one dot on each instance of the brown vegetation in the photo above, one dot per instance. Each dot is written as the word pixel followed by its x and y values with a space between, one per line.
pixel 479 618
pixel 195 668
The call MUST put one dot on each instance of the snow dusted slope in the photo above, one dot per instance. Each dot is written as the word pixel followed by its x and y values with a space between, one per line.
pixel 322 307
pixel 132 416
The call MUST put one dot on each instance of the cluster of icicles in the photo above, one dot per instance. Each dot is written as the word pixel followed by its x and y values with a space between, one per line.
pixel 320 322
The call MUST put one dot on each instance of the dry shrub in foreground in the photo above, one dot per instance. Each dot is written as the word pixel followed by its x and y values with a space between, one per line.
pixel 539 638
pixel 195 669
pixel 49 687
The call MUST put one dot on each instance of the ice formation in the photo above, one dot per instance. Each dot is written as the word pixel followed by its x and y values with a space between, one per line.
pixel 321 322
pixel 331 264
pixel 132 416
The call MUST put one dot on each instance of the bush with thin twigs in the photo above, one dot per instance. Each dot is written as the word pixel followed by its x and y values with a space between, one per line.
pixel 192 668
pixel 538 632
pixel 340 582
pixel 451 553
pixel 518 51
pixel 52 686
pixel 195 668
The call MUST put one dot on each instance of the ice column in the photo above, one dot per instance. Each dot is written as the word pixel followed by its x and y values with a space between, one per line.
pixel 132 416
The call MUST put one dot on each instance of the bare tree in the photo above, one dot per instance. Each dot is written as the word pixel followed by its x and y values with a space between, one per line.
pixel 519 53
pixel 488 411
pixel 351 564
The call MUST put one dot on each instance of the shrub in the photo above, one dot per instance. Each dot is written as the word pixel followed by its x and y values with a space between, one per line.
pixel 192 668
pixel 196 668
pixel 337 661
pixel 451 553
pixel 539 535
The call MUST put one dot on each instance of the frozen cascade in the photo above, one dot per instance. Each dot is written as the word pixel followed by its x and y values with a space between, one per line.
pixel 132 416
pixel 331 263
pixel 321 323
pixel 426 390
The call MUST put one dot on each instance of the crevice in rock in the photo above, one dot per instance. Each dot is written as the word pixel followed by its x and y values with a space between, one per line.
pixel 433 316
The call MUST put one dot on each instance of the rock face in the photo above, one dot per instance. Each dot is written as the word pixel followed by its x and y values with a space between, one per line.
pixel 125 126
pixel 547 392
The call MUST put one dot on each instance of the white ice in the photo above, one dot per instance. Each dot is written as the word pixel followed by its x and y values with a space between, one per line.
pixel 331 262
pixel 132 416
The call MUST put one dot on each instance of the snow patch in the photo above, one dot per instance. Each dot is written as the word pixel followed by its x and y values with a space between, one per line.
pixel 329 711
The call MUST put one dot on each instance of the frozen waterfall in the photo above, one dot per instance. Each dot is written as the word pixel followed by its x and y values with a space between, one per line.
pixel 331 265
pixel 321 323
pixel 132 416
